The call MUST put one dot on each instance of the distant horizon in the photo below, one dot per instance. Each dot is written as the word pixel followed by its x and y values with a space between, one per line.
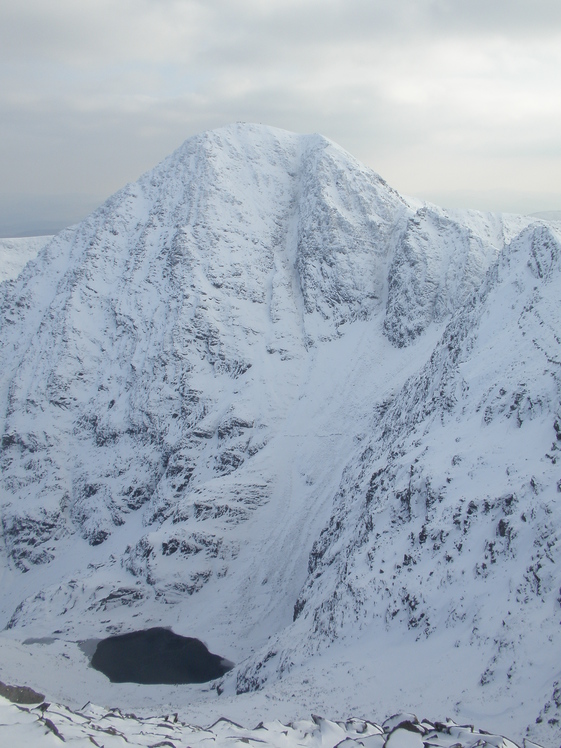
pixel 23 222
pixel 46 214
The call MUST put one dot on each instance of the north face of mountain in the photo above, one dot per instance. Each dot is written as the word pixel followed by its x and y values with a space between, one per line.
pixel 447 517
pixel 233 247
pixel 260 393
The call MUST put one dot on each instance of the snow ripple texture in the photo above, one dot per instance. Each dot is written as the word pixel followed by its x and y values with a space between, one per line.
pixel 260 396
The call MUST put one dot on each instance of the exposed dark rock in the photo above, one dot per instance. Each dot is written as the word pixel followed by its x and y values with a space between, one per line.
pixel 20 694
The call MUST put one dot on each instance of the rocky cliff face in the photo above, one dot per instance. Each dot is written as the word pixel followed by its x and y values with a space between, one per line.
pixel 260 376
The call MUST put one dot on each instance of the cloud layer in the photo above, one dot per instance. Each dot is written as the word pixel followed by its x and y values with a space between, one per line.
pixel 437 95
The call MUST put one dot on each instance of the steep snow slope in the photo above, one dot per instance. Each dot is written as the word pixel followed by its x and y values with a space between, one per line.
pixel 446 520
pixel 16 253
pixel 263 398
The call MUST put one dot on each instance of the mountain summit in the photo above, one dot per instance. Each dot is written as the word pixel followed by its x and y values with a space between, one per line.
pixel 260 396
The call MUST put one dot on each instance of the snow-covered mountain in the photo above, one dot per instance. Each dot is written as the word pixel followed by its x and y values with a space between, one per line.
pixel 261 397
pixel 16 253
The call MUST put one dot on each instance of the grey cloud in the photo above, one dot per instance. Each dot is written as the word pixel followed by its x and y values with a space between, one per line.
pixel 93 93
pixel 503 17
pixel 339 21
pixel 97 32
pixel 182 31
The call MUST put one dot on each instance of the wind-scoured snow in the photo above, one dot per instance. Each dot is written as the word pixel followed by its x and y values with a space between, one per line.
pixel 262 398
pixel 50 724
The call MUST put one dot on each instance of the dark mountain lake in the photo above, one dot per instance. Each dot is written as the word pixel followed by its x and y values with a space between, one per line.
pixel 157 655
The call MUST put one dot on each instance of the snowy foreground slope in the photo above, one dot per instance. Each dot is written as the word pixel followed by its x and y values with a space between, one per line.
pixel 50 724
pixel 262 398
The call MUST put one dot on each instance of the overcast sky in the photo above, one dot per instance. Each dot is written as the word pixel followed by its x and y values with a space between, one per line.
pixel 456 101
